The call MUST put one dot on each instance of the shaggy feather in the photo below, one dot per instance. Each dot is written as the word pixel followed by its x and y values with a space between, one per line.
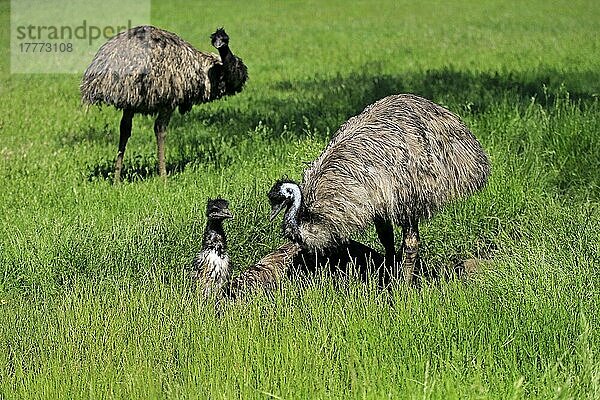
pixel 151 71
pixel 267 273
pixel 147 69
pixel 399 160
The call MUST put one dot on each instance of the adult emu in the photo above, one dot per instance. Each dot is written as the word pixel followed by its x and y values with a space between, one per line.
pixel 150 71
pixel 397 162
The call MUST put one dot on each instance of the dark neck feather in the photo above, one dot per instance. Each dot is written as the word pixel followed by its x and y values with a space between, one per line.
pixel 225 54
pixel 234 71
pixel 214 237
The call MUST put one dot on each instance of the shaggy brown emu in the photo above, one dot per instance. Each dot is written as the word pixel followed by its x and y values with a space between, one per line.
pixel 397 162
pixel 150 71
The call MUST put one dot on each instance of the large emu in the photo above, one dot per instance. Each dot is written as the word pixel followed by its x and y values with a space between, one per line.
pixel 397 162
pixel 150 71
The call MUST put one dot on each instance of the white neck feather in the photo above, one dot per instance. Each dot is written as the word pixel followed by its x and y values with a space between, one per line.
pixel 290 220
pixel 292 190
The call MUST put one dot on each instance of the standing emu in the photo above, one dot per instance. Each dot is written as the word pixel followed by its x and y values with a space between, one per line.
pixel 397 162
pixel 150 71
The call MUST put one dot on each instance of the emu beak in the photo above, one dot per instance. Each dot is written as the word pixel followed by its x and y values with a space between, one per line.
pixel 225 213
pixel 275 210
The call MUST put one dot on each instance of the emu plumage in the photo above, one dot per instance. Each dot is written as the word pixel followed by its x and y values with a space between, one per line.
pixel 397 162
pixel 211 266
pixel 151 71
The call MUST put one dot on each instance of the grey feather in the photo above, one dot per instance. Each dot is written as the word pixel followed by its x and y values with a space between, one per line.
pixel 267 273
pixel 399 161
pixel 403 157
pixel 148 70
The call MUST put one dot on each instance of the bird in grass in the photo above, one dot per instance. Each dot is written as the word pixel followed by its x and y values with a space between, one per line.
pixel 211 266
pixel 397 162
pixel 267 274
pixel 147 70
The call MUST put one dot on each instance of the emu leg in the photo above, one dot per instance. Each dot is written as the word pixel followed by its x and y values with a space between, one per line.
pixel 125 133
pixel 385 232
pixel 410 250
pixel 160 130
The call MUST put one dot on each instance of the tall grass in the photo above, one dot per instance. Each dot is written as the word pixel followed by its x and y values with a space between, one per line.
pixel 94 300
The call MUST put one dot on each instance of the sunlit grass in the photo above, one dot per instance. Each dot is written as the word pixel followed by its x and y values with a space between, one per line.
pixel 94 300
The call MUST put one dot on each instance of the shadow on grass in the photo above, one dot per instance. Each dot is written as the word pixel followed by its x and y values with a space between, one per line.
pixel 359 261
pixel 138 167
pixel 104 135
pixel 195 151
pixel 325 103
pixel 321 104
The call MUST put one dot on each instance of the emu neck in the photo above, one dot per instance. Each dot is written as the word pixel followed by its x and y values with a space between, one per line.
pixel 291 219
pixel 233 71
pixel 214 237
pixel 225 54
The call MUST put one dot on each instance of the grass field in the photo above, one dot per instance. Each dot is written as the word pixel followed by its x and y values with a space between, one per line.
pixel 94 300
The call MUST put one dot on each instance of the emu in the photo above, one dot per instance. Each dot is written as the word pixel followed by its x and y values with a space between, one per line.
pixel 150 71
pixel 397 162
pixel 211 267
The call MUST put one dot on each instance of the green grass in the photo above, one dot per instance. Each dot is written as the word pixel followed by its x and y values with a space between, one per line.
pixel 93 297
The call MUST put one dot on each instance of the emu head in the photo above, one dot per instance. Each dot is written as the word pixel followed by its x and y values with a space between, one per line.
pixel 219 38
pixel 282 195
pixel 218 210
